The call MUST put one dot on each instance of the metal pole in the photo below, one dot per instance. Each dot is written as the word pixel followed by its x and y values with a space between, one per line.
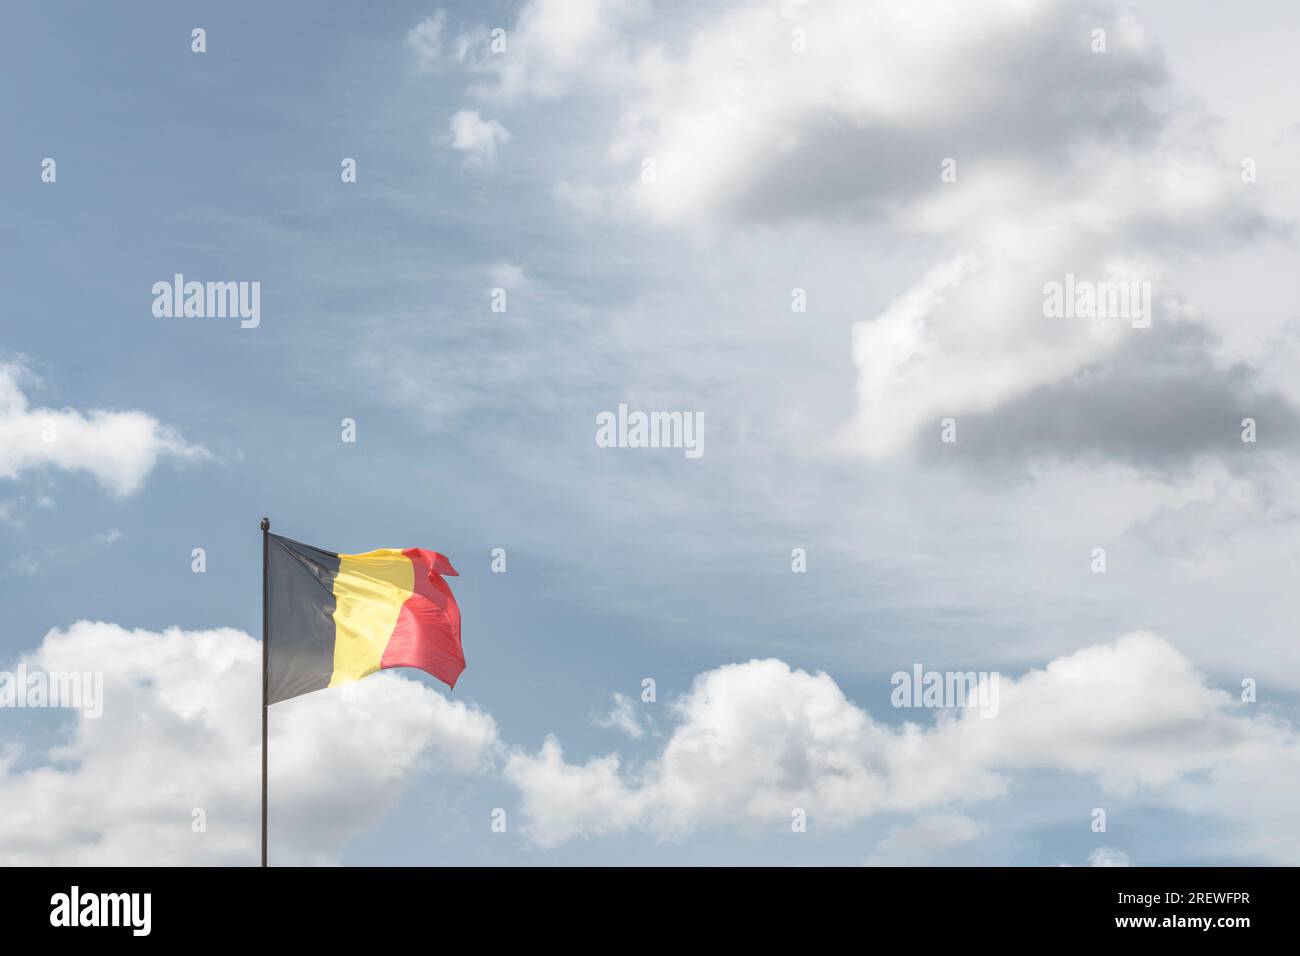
pixel 266 632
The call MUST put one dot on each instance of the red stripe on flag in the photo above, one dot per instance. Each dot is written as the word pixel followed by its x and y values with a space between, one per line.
pixel 427 633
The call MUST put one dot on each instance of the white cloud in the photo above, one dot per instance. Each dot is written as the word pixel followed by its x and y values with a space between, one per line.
pixel 476 137
pixel 971 336
pixel 119 448
pixel 555 46
pixel 562 801
pixel 181 729
pixel 1068 161
pixel 755 740
pixel 917 843
pixel 743 126
pixel 425 39
pixel 1108 856
pixel 624 717
pixel 1107 181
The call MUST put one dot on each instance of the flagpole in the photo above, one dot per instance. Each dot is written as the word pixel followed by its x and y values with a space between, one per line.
pixel 266 628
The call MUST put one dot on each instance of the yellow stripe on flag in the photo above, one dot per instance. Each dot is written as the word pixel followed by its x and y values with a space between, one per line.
pixel 369 592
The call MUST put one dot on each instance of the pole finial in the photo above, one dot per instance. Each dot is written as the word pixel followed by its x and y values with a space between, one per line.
pixel 266 524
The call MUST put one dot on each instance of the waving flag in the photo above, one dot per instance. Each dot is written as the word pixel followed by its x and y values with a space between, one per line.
pixel 334 618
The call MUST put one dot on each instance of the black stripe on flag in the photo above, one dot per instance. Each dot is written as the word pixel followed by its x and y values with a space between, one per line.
pixel 300 648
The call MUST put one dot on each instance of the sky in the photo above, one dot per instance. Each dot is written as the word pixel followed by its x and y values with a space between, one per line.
pixel 825 229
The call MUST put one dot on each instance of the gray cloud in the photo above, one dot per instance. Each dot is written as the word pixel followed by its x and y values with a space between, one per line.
pixel 1154 404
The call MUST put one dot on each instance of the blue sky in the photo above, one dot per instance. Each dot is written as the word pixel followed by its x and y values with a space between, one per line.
pixel 475 428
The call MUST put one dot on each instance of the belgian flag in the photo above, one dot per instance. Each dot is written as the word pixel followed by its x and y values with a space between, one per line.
pixel 333 618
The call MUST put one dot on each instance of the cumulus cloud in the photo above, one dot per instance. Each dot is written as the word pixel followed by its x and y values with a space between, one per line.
pixel 562 800
pixel 119 448
pixel 553 47
pixel 476 137
pixel 181 730
pixel 752 129
pixel 1157 403
pixel 755 740
pixel 971 338
pixel 840 114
